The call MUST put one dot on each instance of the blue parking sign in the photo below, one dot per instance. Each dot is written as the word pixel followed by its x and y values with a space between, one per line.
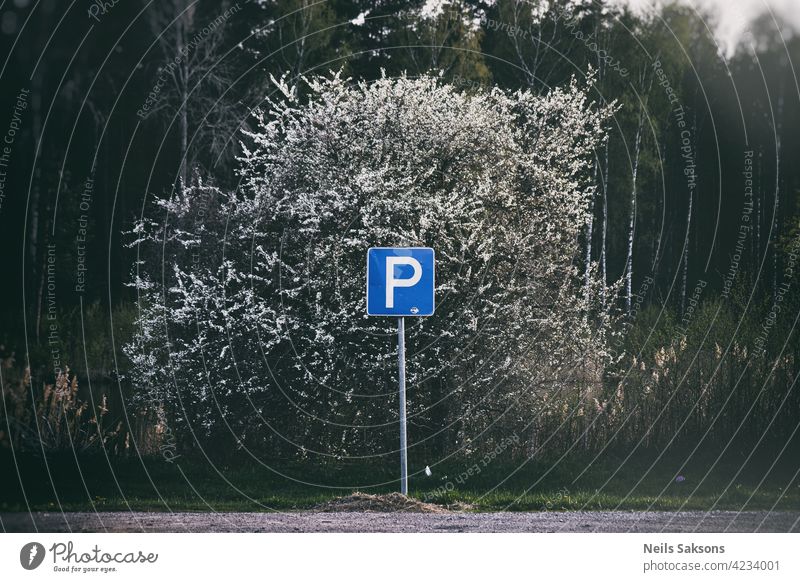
pixel 400 281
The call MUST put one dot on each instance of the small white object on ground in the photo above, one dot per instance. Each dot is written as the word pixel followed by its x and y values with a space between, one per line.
pixel 428 471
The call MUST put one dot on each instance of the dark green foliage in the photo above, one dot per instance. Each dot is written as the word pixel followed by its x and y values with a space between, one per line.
pixel 723 376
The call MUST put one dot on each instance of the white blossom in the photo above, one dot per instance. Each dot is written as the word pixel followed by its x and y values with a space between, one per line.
pixel 257 325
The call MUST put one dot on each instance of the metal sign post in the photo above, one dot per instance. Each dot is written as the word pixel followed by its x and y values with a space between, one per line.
pixel 401 360
pixel 400 283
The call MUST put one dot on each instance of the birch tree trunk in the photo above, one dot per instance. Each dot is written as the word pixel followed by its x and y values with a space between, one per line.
pixel 601 70
pixel 645 91
pixel 776 210
pixel 758 217
pixel 587 269
pixel 686 250
pixel 685 281
pixel 632 219
pixel 603 271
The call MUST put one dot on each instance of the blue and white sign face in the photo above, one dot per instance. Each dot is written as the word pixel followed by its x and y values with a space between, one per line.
pixel 400 281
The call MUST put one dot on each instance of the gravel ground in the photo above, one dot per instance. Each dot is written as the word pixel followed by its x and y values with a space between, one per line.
pixel 578 521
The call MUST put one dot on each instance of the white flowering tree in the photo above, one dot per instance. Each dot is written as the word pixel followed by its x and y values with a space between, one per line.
pixel 253 320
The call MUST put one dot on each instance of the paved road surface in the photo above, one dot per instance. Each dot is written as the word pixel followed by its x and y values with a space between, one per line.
pixel 594 521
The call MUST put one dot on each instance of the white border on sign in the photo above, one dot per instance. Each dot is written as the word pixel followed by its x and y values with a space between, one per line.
pixel 434 282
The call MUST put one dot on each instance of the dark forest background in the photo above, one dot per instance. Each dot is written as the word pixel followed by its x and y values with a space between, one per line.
pixel 704 255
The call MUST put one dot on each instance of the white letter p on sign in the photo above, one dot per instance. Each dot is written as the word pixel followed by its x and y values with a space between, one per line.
pixel 391 282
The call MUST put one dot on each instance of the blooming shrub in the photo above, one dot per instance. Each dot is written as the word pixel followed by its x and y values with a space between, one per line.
pixel 253 328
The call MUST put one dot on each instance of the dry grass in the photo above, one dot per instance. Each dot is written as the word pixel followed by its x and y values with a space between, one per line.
pixel 387 503
pixel 56 419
